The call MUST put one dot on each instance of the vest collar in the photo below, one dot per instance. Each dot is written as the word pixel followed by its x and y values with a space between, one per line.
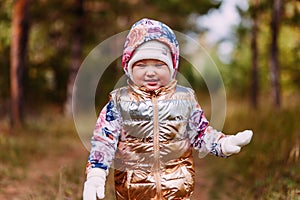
pixel 146 93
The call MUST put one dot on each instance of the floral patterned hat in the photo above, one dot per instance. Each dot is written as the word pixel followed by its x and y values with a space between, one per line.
pixel 148 30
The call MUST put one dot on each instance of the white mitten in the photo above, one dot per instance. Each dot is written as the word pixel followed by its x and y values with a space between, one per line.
pixel 95 184
pixel 233 143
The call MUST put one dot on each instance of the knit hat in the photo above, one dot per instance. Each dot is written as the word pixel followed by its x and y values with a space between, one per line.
pixel 138 39
pixel 151 50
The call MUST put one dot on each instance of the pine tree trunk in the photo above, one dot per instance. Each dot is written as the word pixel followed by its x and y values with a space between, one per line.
pixel 254 50
pixel 76 59
pixel 274 63
pixel 19 37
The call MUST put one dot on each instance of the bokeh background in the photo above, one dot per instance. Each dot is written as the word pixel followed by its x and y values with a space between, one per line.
pixel 254 43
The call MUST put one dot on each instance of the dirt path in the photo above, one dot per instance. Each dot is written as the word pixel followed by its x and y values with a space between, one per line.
pixel 202 181
pixel 42 175
pixel 42 179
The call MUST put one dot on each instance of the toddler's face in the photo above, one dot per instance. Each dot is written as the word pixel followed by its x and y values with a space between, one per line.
pixel 151 74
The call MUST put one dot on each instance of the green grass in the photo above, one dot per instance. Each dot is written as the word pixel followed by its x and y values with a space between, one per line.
pixel 267 168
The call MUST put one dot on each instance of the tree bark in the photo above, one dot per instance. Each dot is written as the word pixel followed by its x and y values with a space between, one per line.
pixel 18 52
pixel 76 53
pixel 274 63
pixel 254 50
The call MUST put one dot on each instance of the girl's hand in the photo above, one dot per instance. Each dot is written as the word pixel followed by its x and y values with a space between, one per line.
pixel 232 144
pixel 95 184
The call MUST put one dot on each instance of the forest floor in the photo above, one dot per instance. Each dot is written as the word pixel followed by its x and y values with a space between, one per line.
pixel 46 159
pixel 53 168
pixel 203 183
pixel 46 177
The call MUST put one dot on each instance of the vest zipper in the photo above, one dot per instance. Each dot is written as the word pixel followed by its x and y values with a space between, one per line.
pixel 156 164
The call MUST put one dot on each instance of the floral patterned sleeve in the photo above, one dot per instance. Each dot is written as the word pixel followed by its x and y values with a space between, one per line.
pixel 204 138
pixel 105 138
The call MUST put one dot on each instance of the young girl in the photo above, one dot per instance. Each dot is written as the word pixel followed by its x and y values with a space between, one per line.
pixel 150 126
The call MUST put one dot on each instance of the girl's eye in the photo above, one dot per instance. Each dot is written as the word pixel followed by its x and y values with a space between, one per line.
pixel 159 64
pixel 141 65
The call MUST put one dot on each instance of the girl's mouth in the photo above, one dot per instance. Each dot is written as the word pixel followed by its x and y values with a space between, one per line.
pixel 151 82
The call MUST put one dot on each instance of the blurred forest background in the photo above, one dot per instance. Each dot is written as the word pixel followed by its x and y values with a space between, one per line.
pixel 43 43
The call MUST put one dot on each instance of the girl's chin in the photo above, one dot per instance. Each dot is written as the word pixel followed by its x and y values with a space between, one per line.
pixel 152 87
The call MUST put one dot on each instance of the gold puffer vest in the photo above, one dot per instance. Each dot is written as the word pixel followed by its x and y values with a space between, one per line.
pixel 154 155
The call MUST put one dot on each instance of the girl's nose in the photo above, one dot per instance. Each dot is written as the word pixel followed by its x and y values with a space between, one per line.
pixel 150 71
